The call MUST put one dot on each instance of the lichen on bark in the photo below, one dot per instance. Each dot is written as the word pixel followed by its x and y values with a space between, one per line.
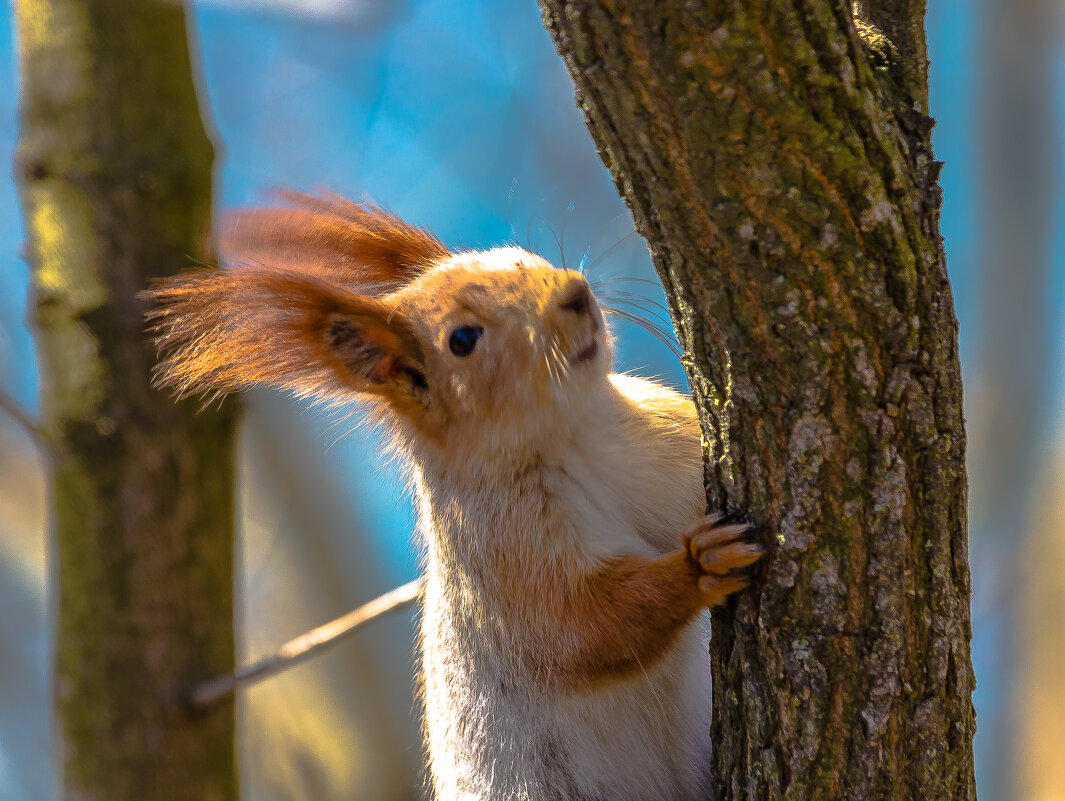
pixel 787 190
pixel 114 169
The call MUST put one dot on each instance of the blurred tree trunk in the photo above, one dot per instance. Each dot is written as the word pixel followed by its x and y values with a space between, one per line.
pixel 115 173
pixel 777 158
pixel 1019 131
pixel 1038 772
pixel 299 727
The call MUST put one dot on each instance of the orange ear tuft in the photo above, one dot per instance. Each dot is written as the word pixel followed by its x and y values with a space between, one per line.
pixel 225 330
pixel 334 239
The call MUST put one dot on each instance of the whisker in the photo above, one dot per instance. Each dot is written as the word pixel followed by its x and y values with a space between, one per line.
pixel 510 210
pixel 584 259
pixel 624 279
pixel 562 234
pixel 655 314
pixel 397 307
pixel 657 331
pixel 636 300
pixel 561 250
pixel 604 227
pixel 660 331
pixel 610 250
pixel 528 234
pixel 562 359
pixel 665 328
pixel 549 362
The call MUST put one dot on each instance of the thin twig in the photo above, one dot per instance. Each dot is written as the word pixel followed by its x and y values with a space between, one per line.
pixel 15 411
pixel 306 645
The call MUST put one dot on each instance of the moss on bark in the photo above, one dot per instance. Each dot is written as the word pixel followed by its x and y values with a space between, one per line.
pixel 115 175
pixel 783 177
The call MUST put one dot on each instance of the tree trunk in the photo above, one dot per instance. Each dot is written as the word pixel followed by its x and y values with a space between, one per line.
pixel 777 158
pixel 115 174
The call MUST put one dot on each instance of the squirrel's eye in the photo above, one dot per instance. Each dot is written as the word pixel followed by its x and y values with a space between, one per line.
pixel 464 340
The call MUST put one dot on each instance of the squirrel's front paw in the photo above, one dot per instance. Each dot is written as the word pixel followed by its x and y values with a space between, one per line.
pixel 721 551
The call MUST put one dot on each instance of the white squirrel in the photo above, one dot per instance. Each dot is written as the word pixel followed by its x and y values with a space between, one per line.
pixel 567 561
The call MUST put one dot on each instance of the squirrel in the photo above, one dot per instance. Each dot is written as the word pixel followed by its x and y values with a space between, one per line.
pixel 567 558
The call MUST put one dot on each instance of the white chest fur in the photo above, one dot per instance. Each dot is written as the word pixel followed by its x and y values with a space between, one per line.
pixel 494 730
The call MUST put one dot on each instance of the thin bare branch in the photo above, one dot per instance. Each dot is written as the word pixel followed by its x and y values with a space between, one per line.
pixel 16 412
pixel 306 645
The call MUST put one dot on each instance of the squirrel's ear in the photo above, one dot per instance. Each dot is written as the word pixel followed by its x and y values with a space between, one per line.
pixel 223 330
pixel 331 238
pixel 379 353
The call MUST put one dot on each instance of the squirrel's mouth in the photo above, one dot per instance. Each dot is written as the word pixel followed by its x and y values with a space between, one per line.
pixel 586 354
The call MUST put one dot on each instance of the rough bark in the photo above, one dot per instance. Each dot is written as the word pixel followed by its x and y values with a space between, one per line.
pixel 777 158
pixel 115 174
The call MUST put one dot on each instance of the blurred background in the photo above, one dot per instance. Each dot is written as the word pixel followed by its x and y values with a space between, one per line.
pixel 460 116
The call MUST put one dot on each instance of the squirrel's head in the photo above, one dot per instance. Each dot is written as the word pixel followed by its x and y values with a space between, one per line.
pixel 484 351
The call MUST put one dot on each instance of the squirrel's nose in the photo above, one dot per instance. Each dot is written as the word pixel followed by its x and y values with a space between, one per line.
pixel 578 300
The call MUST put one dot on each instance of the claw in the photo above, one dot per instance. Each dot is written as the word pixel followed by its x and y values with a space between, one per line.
pixel 709 521
pixel 709 538
pixel 722 554
pixel 715 590
pixel 720 561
